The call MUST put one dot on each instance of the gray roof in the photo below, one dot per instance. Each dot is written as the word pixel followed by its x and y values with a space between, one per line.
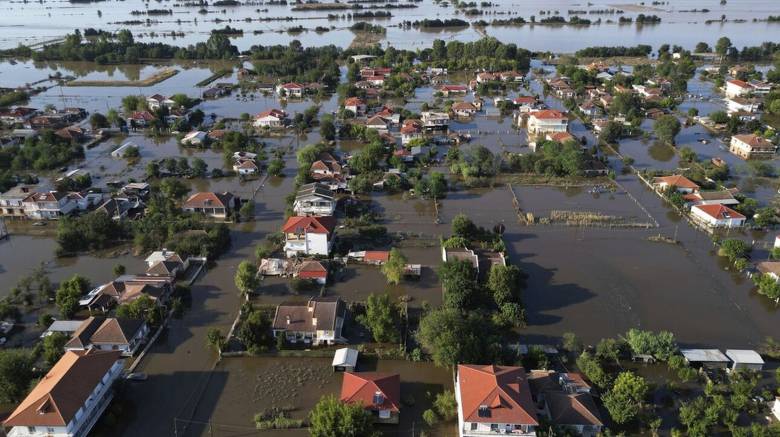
pixel 704 356
pixel 716 195
pixel 326 310
pixel 315 189
pixel 744 356
pixel 65 326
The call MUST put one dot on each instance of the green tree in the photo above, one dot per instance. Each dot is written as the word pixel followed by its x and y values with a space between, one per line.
pixel 437 185
pixel 173 188
pixel 16 373
pixel 505 282
pixel 734 249
pixel 722 46
pixel 590 366
pixel 144 308
pixel 69 293
pixel 276 167
pixel 333 418
pixel 119 270
pixel 462 226
pixel 451 337
pixel 327 128
pixel 246 278
pixel 611 132
pixel 666 128
pixel 394 268
pixel 199 167
pixel 247 210
pixel 624 401
pixel 98 121
pixel 215 339
pixel 255 331
pixel 446 405
pixel 54 347
pixel 767 286
pixel 379 318
pixel 571 343
pixel 458 279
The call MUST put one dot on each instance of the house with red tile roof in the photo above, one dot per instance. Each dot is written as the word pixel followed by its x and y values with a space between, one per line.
pixel 494 399
pixel 446 90
pixel 291 89
pixel 679 182
pixel 215 205
pixel 547 121
pixel 271 118
pixel 736 88
pixel 70 399
pixel 379 393
pixel 306 235
pixel 464 109
pixel 356 105
pixel 312 270
pixel 375 257
pixel 717 216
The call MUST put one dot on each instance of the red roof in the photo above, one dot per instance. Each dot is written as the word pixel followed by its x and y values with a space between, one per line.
pixel 453 88
pixel 278 113
pixel 363 387
pixel 292 85
pixel 739 83
pixel 377 255
pixel 501 391
pixel 678 181
pixel 312 270
pixel 312 225
pixel 719 212
pixel 522 100
pixel 353 101
pixel 562 137
pixel 549 114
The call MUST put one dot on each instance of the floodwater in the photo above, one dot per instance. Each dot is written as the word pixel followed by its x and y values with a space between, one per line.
pixel 33 22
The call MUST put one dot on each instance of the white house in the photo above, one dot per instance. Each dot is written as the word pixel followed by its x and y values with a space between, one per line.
pixel 742 104
pixel 464 109
pixel 776 408
pixel 245 167
pixel 314 199
pixel 679 182
pixel 751 146
pixel 411 130
pixel 271 118
pixel 547 121
pixel 356 105
pixel 48 205
pixel 376 122
pixel 291 89
pixel 494 400
pixel 316 322
pixel 194 138
pixel 70 399
pixel 157 101
pixel 717 216
pixel 11 201
pixel 433 120
pixel 215 205
pixel 124 335
pixel 308 235
pixel 736 88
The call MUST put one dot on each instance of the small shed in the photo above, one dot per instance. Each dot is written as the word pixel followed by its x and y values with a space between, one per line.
pixel 745 359
pixel 707 358
pixel 345 360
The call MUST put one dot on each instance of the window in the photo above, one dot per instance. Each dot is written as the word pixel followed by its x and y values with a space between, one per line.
pixel 50 430
pixel 30 429
pixel 473 426
pixel 494 427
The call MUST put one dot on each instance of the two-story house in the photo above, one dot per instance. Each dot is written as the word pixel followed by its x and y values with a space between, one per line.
pixel 547 121
pixel 49 205
pixel 214 205
pixel 494 400
pixel 314 200
pixel 11 202
pixel 751 146
pixel 306 235
pixel 70 398
pixel 317 322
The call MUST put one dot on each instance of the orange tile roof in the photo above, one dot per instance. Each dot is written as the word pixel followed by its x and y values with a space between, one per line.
pixel 208 199
pixel 678 181
pixel 739 83
pixel 60 394
pixel 548 114
pixel 361 388
pixel 719 212
pixel 503 389
pixel 312 225
pixel 377 255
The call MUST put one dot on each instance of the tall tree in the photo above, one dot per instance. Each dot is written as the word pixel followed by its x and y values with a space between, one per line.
pixel 380 318
pixel 246 277
pixel 624 401
pixel 393 269
pixel 333 418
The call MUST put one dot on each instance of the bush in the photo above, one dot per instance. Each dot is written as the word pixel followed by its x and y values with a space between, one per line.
pixel 430 418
